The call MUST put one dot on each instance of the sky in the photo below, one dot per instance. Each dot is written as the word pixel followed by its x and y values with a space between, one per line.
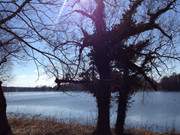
pixel 26 75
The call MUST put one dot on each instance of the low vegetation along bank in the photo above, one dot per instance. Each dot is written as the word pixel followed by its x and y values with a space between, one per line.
pixel 36 126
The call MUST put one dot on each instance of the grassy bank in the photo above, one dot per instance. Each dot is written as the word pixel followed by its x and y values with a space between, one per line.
pixel 37 126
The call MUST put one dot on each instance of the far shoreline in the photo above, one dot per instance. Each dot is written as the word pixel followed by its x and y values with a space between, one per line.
pixel 49 89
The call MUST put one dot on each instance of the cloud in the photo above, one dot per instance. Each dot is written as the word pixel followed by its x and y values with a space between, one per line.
pixel 30 80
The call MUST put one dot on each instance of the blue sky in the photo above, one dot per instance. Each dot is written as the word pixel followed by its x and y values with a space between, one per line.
pixel 25 75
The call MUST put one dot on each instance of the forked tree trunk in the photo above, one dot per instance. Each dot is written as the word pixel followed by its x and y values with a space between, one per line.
pixel 4 125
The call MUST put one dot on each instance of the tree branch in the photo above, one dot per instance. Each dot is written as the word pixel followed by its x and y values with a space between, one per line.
pixel 3 21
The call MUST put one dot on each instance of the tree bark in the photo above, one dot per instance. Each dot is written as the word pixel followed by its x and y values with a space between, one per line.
pixel 123 100
pixel 4 125
pixel 103 104
pixel 103 95
pixel 121 113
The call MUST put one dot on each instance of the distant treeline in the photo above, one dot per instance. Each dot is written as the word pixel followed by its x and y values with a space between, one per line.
pixel 171 83
pixel 26 89
pixel 167 83
pixel 65 87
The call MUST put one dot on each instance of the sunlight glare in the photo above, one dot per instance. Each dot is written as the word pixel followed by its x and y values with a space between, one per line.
pixel 83 1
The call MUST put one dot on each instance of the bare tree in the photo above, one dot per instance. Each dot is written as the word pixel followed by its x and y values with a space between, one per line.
pixel 28 26
pixel 113 34
pixel 24 30
pixel 106 33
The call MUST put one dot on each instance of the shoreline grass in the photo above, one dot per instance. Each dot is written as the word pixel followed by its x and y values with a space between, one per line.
pixel 34 125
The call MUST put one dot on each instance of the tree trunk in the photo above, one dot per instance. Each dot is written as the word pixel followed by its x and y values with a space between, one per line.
pixel 103 95
pixel 121 113
pixel 123 100
pixel 103 104
pixel 4 125
pixel 102 63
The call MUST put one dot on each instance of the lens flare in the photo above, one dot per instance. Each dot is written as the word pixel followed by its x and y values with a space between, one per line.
pixel 61 11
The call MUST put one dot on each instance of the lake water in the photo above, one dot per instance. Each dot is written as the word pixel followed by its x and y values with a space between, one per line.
pixel 158 111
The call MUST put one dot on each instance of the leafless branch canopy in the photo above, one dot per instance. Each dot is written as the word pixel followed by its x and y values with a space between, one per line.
pixel 73 37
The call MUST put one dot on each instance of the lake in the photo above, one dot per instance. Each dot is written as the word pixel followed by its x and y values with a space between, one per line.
pixel 159 111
